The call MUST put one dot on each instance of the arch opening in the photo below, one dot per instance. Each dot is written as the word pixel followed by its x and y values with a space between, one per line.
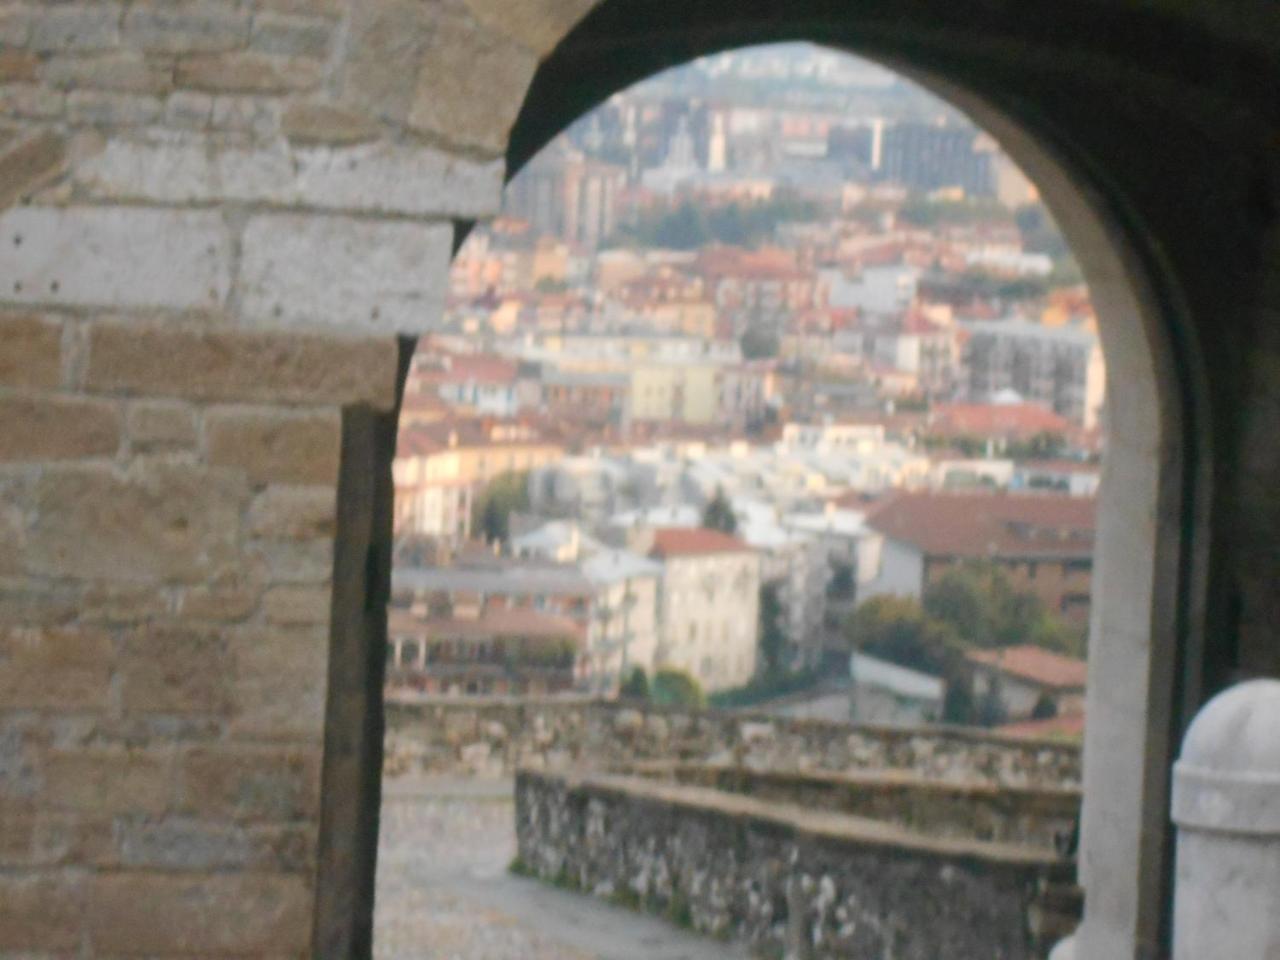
pixel 1144 593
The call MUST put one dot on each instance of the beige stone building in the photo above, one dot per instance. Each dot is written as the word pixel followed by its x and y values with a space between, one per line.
pixel 709 624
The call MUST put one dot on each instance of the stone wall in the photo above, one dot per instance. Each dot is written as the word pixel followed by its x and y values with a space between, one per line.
pixel 494 737
pixel 786 881
pixel 1044 817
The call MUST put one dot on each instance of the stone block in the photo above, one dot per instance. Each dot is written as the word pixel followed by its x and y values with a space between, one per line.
pixel 31 603
pixel 386 43
pixel 161 426
pixel 188 109
pixel 175 669
pixel 317 8
pixel 78 26
pixel 241 365
pixel 293 513
pixel 171 523
pixel 51 668
pixel 162 913
pixel 292 36
pixel 180 843
pixel 250 783
pixel 186 27
pixel 295 561
pixel 107 108
pixel 470 86
pixel 125 72
pixel 536 24
pixel 272 447
pixel 259 117
pixel 34 837
pixel 32 354
pixel 15 25
pixel 294 606
pixel 28 164
pixel 111 257
pixel 230 598
pixel 36 429
pixel 322 124
pixel 41 913
pixel 280 684
pixel 248 73
pixel 107 781
pixel 30 101
pixel 18 66
pixel 123 603
pixel 331 167
pixel 389 277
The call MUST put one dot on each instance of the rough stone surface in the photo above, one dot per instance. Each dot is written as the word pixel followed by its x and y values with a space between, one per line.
pixel 29 164
pixel 75 256
pixel 170 361
pixel 495 736
pixel 275 448
pixel 50 427
pixel 783 881
pixel 385 277
pixel 170 523
pixel 32 355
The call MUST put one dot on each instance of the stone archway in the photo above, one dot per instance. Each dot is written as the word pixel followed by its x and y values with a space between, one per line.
pixel 219 215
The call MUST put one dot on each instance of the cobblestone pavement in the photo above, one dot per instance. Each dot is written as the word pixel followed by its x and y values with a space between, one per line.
pixel 444 892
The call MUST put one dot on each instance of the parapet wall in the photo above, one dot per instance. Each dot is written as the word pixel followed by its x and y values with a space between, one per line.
pixel 1041 817
pixel 497 736
pixel 786 881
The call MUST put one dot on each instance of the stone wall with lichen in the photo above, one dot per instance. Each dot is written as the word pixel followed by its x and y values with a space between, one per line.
pixel 788 882
pixel 495 737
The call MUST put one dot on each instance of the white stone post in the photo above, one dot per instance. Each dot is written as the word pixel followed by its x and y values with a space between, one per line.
pixel 1226 804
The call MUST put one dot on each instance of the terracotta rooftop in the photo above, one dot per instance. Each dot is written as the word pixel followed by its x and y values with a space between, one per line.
pixel 683 541
pixel 992 525
pixel 1035 664
pixel 994 419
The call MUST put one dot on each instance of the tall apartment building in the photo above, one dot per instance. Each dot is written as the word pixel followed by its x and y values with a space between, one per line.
pixel 925 156
pixel 565 194
pixel 1059 367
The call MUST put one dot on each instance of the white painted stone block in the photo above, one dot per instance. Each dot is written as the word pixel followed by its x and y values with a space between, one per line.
pixel 1226 804
pixel 376 178
pixel 114 257
pixel 337 271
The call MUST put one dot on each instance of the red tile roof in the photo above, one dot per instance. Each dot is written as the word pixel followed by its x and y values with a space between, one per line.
pixel 990 525
pixel 1018 420
pixel 1035 664
pixel 681 541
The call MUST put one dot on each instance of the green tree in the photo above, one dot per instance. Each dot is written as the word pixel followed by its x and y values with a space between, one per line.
pixel 984 608
pixel 841 585
pixel 491 511
pixel 896 629
pixel 773 637
pixel 676 688
pixel 635 686
pixel 718 514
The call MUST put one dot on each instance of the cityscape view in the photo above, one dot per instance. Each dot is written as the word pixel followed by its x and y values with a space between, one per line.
pixel 774 391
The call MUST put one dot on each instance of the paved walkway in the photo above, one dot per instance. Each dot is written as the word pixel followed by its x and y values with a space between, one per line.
pixel 444 892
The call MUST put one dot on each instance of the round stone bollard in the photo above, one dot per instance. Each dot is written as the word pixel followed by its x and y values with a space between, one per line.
pixel 1226 804
pixel 1066 950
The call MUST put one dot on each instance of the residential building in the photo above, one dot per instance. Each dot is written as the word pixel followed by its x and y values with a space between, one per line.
pixel 1044 543
pixel 1060 367
pixel 499 652
pixel 886 693
pixel 710 605
pixel 1024 676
